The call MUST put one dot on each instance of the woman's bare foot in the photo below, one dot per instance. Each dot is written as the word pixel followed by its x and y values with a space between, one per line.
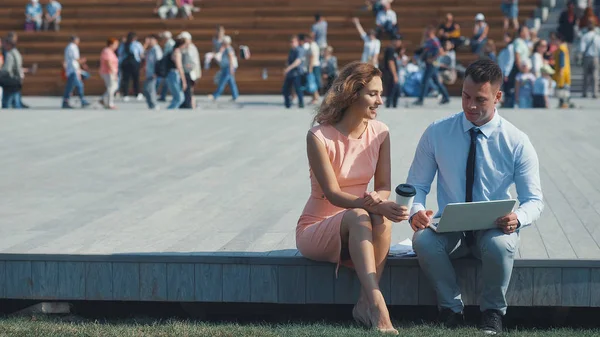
pixel 380 318
pixel 360 313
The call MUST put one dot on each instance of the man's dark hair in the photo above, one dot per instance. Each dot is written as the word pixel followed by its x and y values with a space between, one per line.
pixel 317 17
pixel 9 41
pixel 301 37
pixel 153 36
pixel 483 71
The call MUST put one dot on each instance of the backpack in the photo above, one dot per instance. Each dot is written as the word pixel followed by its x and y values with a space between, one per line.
pixel 160 67
pixel 129 57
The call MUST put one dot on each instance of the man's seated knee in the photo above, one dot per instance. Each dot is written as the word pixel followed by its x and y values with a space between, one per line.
pixel 495 242
pixel 427 241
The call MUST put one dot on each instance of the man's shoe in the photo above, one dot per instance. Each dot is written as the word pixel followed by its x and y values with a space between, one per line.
pixel 491 322
pixel 451 319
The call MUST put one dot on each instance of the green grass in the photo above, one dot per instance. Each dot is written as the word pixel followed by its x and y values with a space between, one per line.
pixel 66 327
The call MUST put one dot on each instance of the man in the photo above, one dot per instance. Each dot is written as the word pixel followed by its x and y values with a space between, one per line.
pixel 494 154
pixel 506 61
pixel 389 70
pixel 131 55
pixel 166 9
pixel 73 73
pixel 14 37
pixel 153 56
pixel 589 48
pixel 319 29
pixel 168 45
pixel 432 50
pixel 372 45
pixel 190 58
pixel 11 75
pixel 521 52
pixel 293 73
pixel 52 16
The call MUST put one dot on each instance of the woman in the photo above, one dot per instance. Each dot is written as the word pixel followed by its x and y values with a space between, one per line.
pixel 567 22
pixel 537 59
pixel 109 71
pixel 176 76
pixel 449 30
pixel 587 17
pixel 228 66
pixel 341 222
pixel 480 33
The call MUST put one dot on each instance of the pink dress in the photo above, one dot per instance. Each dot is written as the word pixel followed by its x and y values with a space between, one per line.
pixel 108 55
pixel 354 162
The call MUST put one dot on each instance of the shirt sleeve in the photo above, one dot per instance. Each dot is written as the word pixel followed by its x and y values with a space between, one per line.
pixel 527 183
pixel 393 17
pixel 380 19
pixel 561 59
pixel 422 171
pixel 365 37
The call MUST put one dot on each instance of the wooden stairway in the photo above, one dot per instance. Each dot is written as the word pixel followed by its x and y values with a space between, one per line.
pixel 264 25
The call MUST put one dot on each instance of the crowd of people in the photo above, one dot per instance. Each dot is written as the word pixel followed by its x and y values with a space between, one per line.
pixel 534 69
pixel 170 65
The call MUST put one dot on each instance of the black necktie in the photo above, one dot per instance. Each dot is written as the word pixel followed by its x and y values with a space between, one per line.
pixel 469 236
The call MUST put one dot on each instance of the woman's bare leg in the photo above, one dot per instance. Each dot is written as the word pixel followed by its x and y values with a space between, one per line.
pixel 358 233
pixel 382 235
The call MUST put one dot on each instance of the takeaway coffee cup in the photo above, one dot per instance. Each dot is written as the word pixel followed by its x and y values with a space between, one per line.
pixel 405 194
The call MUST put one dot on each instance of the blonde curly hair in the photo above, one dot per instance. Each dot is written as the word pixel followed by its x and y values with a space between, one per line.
pixel 345 91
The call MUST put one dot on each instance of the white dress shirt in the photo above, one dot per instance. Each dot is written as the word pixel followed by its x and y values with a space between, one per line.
pixel 504 156
pixel 589 44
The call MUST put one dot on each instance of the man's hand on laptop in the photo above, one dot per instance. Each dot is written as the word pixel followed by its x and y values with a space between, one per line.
pixel 508 223
pixel 421 220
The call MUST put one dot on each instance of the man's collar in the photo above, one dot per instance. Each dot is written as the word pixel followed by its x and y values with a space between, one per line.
pixel 487 129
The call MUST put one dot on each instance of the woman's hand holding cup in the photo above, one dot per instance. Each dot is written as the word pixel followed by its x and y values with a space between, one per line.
pixel 393 211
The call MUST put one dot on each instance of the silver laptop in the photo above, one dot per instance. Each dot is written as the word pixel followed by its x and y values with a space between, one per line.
pixel 468 216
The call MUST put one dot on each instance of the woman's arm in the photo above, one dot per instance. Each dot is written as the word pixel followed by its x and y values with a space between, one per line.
pixel 231 57
pixel 484 35
pixel 359 27
pixel 179 65
pixel 383 171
